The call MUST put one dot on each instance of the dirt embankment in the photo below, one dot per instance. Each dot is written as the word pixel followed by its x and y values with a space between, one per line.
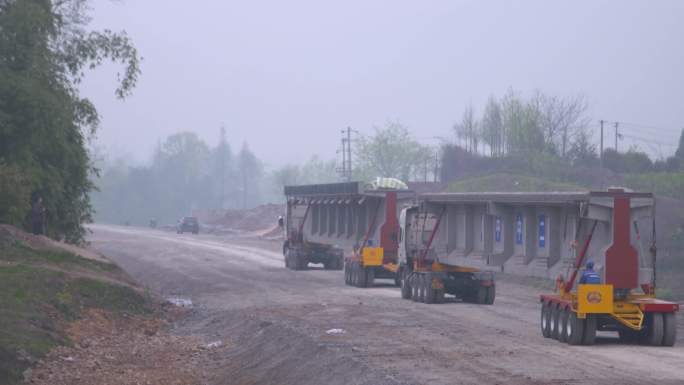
pixel 257 219
pixel 80 319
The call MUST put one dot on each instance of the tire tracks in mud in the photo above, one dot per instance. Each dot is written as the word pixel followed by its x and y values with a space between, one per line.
pixel 387 338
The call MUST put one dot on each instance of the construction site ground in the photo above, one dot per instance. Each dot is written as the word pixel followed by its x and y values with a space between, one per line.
pixel 277 326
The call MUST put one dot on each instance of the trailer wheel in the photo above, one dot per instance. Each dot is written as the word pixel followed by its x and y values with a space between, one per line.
pixel 574 329
pixel 415 290
pixel 589 336
pixel 654 329
pixel 370 276
pixel 429 291
pixel 555 318
pixel 563 315
pixel 670 329
pixel 481 295
pixel 406 291
pixel 347 278
pixel 361 277
pixel 288 258
pixel 491 294
pixel 439 296
pixel 421 288
pixel 545 320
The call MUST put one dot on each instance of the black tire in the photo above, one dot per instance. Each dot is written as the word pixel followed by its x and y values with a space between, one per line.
pixel 669 329
pixel 563 315
pixel 491 295
pixel 654 329
pixel 423 288
pixel 589 335
pixel 574 329
pixel 555 321
pixel 429 291
pixel 288 259
pixel 544 320
pixel 439 296
pixel 405 285
pixel 481 295
pixel 370 276
pixel 360 276
pixel 347 279
pixel 415 287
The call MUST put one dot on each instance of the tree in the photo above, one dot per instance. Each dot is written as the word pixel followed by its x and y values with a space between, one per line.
pixel 250 172
pixel 522 123
pixel 492 127
pixel 44 122
pixel 680 149
pixel 222 159
pixel 468 129
pixel 390 152
pixel 561 119
pixel 582 152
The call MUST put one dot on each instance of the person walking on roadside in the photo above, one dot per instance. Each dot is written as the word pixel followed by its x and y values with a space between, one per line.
pixel 38 216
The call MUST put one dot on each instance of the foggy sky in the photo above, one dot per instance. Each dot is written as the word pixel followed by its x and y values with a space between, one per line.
pixel 287 76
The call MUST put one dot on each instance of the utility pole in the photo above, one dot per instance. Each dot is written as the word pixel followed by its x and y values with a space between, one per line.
pixel 601 151
pixel 616 136
pixel 343 173
pixel 349 155
pixel 346 170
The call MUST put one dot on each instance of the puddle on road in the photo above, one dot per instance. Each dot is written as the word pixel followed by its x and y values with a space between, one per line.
pixel 180 302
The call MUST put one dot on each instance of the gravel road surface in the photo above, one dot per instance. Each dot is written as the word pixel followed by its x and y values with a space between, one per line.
pixel 276 323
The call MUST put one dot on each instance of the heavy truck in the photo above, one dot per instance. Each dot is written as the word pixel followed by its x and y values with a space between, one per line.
pixel 425 274
pixel 373 228
pixel 328 223
pixel 625 301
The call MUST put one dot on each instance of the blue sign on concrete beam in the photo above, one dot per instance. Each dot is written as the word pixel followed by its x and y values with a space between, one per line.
pixel 542 231
pixel 518 229
pixel 497 229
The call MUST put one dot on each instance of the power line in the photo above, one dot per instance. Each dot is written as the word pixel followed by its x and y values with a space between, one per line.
pixel 642 139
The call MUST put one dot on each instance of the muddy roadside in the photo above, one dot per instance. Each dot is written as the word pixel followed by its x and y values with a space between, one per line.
pixel 71 316
pixel 300 327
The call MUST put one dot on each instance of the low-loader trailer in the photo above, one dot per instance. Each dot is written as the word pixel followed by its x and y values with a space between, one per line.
pixel 623 302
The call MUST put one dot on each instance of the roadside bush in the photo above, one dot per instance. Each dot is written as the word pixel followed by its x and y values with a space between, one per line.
pixel 15 192
pixel 669 184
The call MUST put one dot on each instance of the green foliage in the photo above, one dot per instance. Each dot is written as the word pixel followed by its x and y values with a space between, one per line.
pixel 315 170
pixel 669 184
pixel 44 51
pixel 680 149
pixel 510 183
pixel 393 152
pixel 632 161
pixel 36 297
pixel 185 174
pixel 15 193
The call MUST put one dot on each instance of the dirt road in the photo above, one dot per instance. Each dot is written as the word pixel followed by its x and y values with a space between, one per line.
pixel 275 323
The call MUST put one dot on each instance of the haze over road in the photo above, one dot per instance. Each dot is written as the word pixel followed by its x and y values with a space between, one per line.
pixel 275 321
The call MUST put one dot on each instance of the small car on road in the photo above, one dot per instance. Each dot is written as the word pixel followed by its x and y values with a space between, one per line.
pixel 189 224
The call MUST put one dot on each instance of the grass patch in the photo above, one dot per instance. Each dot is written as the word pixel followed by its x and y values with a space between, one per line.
pixel 37 299
pixel 18 252
pixel 510 183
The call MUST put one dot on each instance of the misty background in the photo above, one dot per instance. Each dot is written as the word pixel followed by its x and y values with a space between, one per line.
pixel 283 80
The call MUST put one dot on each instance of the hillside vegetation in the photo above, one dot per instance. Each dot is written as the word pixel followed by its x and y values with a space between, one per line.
pixel 42 289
